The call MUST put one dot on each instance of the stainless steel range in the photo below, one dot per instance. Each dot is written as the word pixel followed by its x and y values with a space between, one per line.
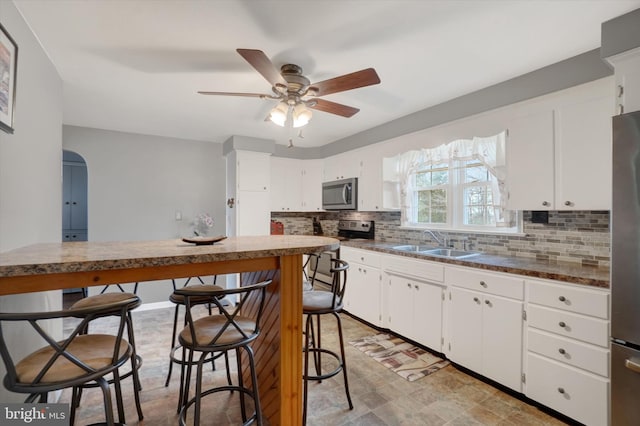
pixel 348 230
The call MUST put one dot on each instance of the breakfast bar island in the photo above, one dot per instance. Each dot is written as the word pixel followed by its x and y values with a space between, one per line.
pixel 51 266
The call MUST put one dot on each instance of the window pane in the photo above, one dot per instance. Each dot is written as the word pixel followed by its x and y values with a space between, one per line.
pixel 474 171
pixel 432 206
pixel 423 179
pixel 478 206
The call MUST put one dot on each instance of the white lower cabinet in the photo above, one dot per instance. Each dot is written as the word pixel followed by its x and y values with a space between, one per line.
pixel 415 310
pixel 573 392
pixel 485 335
pixel 486 323
pixel 568 357
pixel 363 291
pixel 414 299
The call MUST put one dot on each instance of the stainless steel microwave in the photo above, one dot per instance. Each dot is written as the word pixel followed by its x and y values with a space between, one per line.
pixel 340 194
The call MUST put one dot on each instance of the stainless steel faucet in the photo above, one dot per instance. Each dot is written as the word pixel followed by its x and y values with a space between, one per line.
pixel 437 237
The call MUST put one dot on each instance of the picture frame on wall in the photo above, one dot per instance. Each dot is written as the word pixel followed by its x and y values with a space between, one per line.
pixel 8 73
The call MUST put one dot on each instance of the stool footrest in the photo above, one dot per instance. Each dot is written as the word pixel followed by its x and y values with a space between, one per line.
pixel 338 369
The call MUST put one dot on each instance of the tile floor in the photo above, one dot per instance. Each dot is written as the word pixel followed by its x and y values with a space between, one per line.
pixel 380 397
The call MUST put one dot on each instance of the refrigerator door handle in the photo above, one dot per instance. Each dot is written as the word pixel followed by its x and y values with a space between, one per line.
pixel 631 365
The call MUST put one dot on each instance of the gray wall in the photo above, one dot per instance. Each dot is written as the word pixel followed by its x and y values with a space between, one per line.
pixel 30 170
pixel 137 183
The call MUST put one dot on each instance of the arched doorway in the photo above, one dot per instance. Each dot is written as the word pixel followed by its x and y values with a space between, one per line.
pixel 74 207
pixel 74 197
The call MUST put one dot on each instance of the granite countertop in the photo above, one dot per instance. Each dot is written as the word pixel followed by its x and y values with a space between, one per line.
pixel 80 256
pixel 560 271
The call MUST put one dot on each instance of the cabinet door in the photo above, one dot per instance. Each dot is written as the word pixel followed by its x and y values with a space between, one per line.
pixel 502 341
pixel 341 166
pixel 427 315
pixel 363 288
pixel 583 154
pixel 286 184
pixel 312 185
pixel 253 171
pixel 401 306
pixel 252 210
pixel 370 184
pixel 465 328
pixel 530 162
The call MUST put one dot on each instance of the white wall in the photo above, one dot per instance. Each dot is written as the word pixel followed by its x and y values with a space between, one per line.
pixel 138 182
pixel 30 169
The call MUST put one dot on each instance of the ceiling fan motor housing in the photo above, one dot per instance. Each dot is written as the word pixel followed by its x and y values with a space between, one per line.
pixel 297 84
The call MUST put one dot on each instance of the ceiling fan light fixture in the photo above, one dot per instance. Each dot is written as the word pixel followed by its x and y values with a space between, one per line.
pixel 301 115
pixel 278 114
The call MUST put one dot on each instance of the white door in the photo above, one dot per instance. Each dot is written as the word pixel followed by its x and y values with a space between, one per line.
pixel 401 302
pixel 465 328
pixel 427 315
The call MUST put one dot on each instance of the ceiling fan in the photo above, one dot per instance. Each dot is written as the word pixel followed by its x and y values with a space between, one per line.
pixel 295 93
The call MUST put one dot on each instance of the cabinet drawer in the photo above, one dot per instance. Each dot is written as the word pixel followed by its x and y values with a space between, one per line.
pixel 420 269
pixel 587 329
pixel 580 395
pixel 365 257
pixel 571 352
pixel 493 283
pixel 568 298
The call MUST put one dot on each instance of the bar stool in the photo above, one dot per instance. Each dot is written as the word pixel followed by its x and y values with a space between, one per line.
pixel 234 328
pixel 97 302
pixel 316 303
pixel 179 300
pixel 74 361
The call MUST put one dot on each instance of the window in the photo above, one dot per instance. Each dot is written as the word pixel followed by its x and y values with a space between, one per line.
pixel 455 186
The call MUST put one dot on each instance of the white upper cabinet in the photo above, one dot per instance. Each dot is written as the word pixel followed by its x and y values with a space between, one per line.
pixel 312 185
pixel 583 153
pixel 559 150
pixel 530 162
pixel 342 166
pixel 286 184
pixel 296 185
pixel 627 80
pixel 253 171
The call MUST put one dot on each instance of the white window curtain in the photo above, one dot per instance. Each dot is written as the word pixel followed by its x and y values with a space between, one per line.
pixel 490 151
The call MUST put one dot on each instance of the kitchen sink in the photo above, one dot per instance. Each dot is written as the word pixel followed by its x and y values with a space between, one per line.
pixel 452 253
pixel 412 248
pixel 440 252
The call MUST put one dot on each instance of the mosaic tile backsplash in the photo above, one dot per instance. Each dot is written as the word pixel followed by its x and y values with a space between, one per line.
pixel 570 236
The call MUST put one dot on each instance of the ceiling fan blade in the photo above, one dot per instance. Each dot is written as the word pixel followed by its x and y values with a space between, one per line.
pixel 354 80
pixel 333 108
pixel 248 95
pixel 258 60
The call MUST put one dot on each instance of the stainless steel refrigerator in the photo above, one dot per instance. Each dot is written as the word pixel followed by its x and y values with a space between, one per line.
pixel 625 271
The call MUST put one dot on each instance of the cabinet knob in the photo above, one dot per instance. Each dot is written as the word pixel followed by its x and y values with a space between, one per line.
pixel 409 285
pixel 486 302
pixel 561 390
pixel 475 299
pixel 562 351
pixel 562 298
pixel 562 324
pixel 483 284
pixel 67 203
pixel 417 287
pixel 568 203
pixel 362 258
pixel 545 203
pixel 74 203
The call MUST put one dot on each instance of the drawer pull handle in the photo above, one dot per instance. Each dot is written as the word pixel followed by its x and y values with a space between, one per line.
pixel 561 390
pixel 562 324
pixel 475 299
pixel 562 351
pixel 483 284
pixel 562 298
pixel 633 366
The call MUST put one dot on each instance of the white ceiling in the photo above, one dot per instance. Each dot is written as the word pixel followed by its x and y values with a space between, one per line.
pixel 135 65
